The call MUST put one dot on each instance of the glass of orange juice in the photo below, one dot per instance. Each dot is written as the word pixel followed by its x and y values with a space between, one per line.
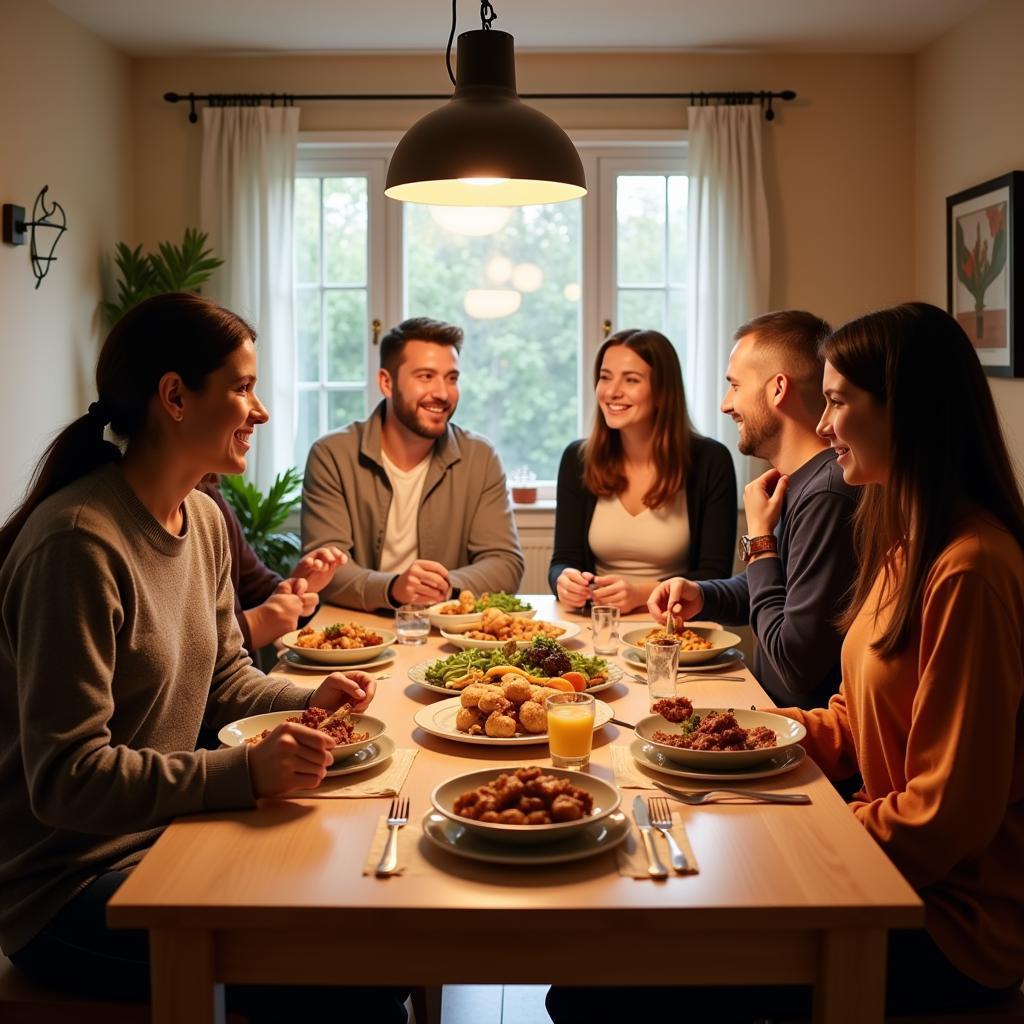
pixel 570 729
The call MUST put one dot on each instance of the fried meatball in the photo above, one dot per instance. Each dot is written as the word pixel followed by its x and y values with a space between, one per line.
pixel 516 689
pixel 533 717
pixel 499 725
pixel 566 808
pixel 471 695
pixel 492 700
pixel 467 718
pixel 512 816
pixel 538 818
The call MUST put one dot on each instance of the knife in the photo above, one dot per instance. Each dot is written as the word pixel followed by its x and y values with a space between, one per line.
pixel 655 868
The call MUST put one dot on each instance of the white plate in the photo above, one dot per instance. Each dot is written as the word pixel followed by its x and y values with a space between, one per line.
pixel 379 751
pixel 236 733
pixel 784 761
pixel 457 839
pixel 787 733
pixel 294 660
pixel 439 720
pixel 418 674
pixel 604 795
pixel 470 619
pixel 571 629
pixel 721 640
pixel 337 656
pixel 726 659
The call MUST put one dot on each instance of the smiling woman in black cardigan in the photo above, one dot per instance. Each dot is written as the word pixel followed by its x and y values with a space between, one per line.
pixel 645 495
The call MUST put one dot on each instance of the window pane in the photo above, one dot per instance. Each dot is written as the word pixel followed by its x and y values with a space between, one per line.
pixel 307 231
pixel 307 332
pixel 308 424
pixel 677 320
pixel 642 309
pixel 520 370
pixel 640 229
pixel 343 407
pixel 345 334
pixel 345 211
pixel 678 188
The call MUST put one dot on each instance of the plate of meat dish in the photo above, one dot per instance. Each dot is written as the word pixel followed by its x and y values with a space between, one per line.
pixel 716 739
pixel 341 643
pixel 351 732
pixel 468 610
pixel 697 644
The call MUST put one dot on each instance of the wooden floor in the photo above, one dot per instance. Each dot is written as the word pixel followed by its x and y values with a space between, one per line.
pixel 494 1004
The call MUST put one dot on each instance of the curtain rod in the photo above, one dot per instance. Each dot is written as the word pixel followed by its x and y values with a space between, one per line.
pixel 764 97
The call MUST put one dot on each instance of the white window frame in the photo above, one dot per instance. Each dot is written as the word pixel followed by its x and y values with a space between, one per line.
pixel 604 153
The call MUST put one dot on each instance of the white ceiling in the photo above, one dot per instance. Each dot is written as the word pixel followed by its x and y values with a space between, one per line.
pixel 165 27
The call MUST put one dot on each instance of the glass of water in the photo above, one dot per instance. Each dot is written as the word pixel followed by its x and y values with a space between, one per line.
pixel 604 624
pixel 662 666
pixel 412 624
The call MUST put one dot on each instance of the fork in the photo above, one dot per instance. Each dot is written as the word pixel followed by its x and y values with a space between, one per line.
pixel 712 795
pixel 397 817
pixel 661 819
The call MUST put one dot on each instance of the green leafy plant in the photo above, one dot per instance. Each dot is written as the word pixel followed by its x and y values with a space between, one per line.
pixel 262 516
pixel 171 268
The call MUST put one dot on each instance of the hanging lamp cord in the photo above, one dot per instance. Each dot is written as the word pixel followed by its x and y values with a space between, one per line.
pixel 487 15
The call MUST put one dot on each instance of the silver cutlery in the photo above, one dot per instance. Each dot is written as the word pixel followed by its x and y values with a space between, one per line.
pixel 661 819
pixel 691 677
pixel 397 817
pixel 715 795
pixel 655 868
pixel 619 721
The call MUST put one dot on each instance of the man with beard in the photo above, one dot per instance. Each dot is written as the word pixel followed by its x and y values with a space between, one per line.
pixel 419 504
pixel 799 541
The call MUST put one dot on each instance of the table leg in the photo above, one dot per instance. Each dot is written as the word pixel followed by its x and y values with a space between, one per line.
pixel 851 977
pixel 184 988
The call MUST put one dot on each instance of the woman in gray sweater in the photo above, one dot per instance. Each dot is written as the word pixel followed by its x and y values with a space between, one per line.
pixel 118 642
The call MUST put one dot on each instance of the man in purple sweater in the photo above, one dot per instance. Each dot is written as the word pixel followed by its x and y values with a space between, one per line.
pixel 798 547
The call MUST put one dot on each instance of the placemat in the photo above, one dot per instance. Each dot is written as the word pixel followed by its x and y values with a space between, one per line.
pixel 381 780
pixel 629 774
pixel 410 860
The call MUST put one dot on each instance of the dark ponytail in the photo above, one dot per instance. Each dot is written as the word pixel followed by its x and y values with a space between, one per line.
pixel 174 333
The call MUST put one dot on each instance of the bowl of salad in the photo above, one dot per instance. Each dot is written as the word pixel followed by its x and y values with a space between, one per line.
pixel 466 611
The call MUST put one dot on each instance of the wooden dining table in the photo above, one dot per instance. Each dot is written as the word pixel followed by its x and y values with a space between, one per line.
pixel 784 894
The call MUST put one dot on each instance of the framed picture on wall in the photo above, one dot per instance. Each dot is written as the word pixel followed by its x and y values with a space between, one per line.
pixel 985 287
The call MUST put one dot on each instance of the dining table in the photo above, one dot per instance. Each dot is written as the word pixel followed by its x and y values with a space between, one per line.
pixel 278 894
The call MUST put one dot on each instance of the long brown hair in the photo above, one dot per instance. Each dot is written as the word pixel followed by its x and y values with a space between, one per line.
pixel 603 472
pixel 178 332
pixel 908 358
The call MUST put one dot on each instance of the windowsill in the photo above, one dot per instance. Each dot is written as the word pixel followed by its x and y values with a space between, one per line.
pixel 541 505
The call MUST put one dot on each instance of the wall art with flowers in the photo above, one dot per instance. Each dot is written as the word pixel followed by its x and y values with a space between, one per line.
pixel 984 289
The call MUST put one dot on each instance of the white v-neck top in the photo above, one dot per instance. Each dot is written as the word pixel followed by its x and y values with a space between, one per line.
pixel 401 532
pixel 652 545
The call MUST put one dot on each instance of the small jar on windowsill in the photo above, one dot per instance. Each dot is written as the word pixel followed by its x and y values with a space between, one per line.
pixel 523 484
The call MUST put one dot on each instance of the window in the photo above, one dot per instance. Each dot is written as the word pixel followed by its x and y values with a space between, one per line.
pixel 536 289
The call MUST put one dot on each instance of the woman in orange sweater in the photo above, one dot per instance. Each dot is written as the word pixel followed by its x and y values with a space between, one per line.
pixel 930 710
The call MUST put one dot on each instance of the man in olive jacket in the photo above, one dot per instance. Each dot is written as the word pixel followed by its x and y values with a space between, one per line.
pixel 420 506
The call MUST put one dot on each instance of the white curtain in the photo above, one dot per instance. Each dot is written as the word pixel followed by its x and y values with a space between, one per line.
pixel 246 201
pixel 727 258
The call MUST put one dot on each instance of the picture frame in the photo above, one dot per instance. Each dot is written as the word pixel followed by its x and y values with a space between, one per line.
pixel 984 289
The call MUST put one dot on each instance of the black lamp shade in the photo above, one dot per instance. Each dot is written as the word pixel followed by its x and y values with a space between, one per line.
pixel 485 147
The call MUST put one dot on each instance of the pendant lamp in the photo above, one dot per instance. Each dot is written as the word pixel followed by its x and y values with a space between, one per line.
pixel 485 147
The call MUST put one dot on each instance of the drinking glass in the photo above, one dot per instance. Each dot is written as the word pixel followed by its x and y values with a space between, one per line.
pixel 662 666
pixel 570 729
pixel 604 624
pixel 412 624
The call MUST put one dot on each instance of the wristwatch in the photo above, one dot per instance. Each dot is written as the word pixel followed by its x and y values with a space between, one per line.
pixel 750 546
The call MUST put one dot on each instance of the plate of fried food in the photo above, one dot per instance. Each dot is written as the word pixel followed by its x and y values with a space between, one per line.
pixel 697 644
pixel 525 804
pixel 716 739
pixel 351 732
pixel 496 628
pixel 510 714
pixel 340 643
pixel 467 609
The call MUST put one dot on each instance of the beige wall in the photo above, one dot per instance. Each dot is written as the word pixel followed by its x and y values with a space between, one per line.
pixel 969 89
pixel 839 159
pixel 66 121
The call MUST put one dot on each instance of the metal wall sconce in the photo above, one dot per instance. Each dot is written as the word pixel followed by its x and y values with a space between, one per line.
pixel 45 217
